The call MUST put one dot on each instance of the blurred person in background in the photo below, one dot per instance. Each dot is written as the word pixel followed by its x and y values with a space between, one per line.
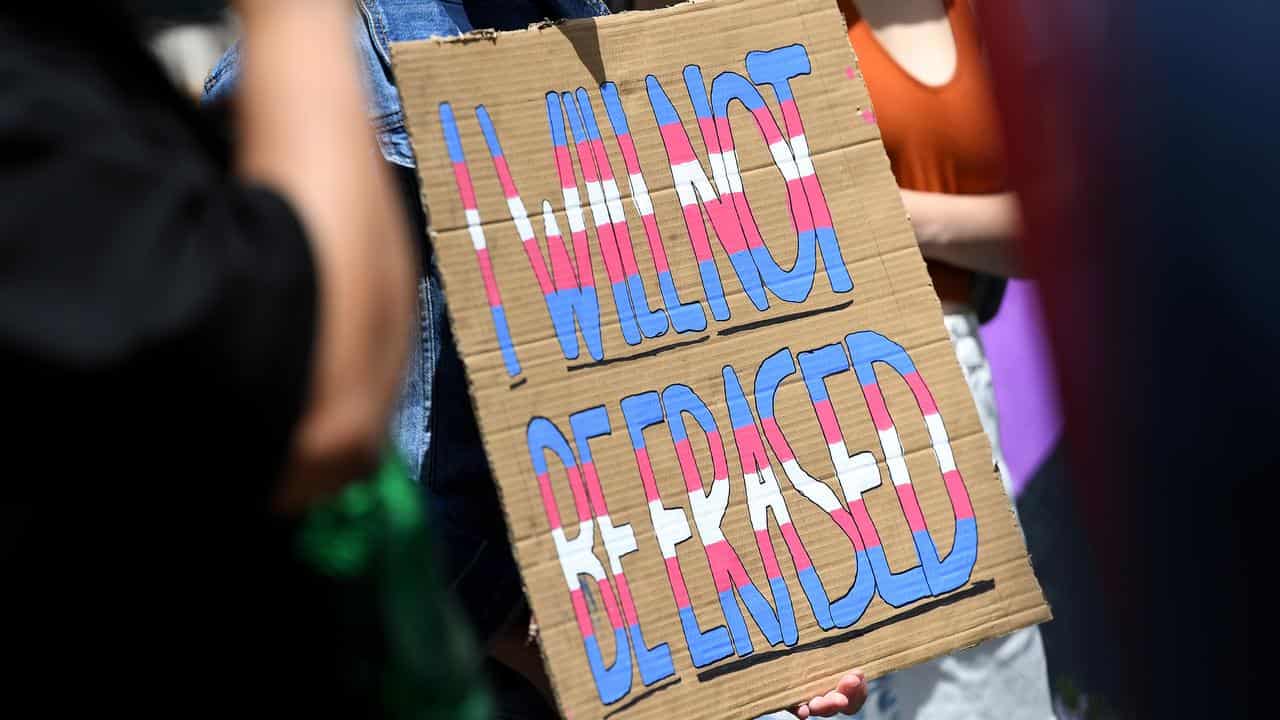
pixel 924 67
pixel 201 345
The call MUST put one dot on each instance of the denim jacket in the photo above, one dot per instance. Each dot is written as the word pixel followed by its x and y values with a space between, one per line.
pixel 380 23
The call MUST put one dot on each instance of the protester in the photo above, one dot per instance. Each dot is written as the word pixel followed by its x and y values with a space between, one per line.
pixel 201 345
pixel 923 64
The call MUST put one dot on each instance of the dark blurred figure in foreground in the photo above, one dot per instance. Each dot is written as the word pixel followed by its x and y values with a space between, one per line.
pixel 200 346
pixel 1143 141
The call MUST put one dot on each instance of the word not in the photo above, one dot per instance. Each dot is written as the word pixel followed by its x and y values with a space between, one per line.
pixel 567 282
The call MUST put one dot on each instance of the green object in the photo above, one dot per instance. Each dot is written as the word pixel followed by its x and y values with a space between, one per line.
pixel 374 543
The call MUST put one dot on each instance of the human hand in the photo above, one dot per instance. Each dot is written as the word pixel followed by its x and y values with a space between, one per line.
pixel 847 697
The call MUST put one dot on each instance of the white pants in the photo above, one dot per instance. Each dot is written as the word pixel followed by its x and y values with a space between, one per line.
pixel 1001 679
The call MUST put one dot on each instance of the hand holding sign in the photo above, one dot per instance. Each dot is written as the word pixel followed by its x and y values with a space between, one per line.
pixel 693 460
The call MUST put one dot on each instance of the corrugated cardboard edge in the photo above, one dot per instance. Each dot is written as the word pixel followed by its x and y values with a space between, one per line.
pixel 1040 613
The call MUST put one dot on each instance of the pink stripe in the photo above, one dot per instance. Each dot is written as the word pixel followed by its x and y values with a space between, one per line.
pixel 688 466
pixel 767 555
pixel 564 165
pixel 768 126
pixel 626 249
pixel 844 520
pixel 539 264
pixel 582 253
pixel 748 441
pixel 679 151
pixel 817 201
pixel 747 218
pixel 709 131
pixel 678 588
pixel 465 189
pixel 579 495
pixel 777 440
pixel 610 604
pixel 490 282
pixel 504 177
pixel 866 528
pixel 958 493
pixel 719 466
pixel 587 162
pixel 609 251
pixel 725 134
pixel 722 559
pixel 628 605
pixel 798 554
pixel 566 278
pixel 581 612
pixel 656 248
pixel 593 489
pixel 602 160
pixel 801 218
pixel 549 501
pixel 646 475
pixel 629 157
pixel 791 118
pixel 923 397
pixel 697 233
pixel 875 403
pixel 827 419
pixel 911 508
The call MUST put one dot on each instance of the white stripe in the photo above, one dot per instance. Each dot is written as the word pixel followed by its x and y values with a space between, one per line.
pixel 473 217
pixel 670 525
pixel 782 158
pixel 549 220
pixel 892 447
pixel 691 173
pixel 941 443
pixel 618 541
pixel 763 492
pixel 816 492
pixel 640 195
pixel 685 192
pixel 721 173
pixel 599 213
pixel 735 175
pixel 708 511
pixel 857 474
pixel 800 146
pixel 477 236
pixel 614 200
pixel 577 556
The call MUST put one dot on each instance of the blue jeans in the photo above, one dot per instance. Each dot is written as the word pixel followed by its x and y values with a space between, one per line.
pixel 434 425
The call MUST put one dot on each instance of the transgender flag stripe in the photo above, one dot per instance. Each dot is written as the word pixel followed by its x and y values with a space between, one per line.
pixel 466 192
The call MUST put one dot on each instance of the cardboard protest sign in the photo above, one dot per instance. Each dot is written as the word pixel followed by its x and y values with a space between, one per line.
pixel 735 450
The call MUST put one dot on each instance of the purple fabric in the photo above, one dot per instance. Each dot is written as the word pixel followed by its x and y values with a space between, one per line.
pixel 1022 371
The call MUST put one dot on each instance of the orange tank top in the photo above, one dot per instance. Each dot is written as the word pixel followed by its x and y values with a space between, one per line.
pixel 943 139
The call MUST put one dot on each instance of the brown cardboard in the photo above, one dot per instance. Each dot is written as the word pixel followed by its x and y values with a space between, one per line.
pixel 941 607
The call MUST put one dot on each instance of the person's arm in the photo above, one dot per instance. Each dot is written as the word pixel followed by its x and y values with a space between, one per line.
pixel 975 232
pixel 303 131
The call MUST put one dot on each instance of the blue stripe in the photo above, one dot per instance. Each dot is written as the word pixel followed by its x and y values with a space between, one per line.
pixel 555 118
pixel 697 91
pixel 613 106
pixel 451 138
pixel 490 135
pixel 504 340
pixel 663 111
pixel 588 114
pixel 707 647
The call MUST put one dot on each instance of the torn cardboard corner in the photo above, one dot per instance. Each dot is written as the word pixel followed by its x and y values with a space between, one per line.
pixel 736 453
